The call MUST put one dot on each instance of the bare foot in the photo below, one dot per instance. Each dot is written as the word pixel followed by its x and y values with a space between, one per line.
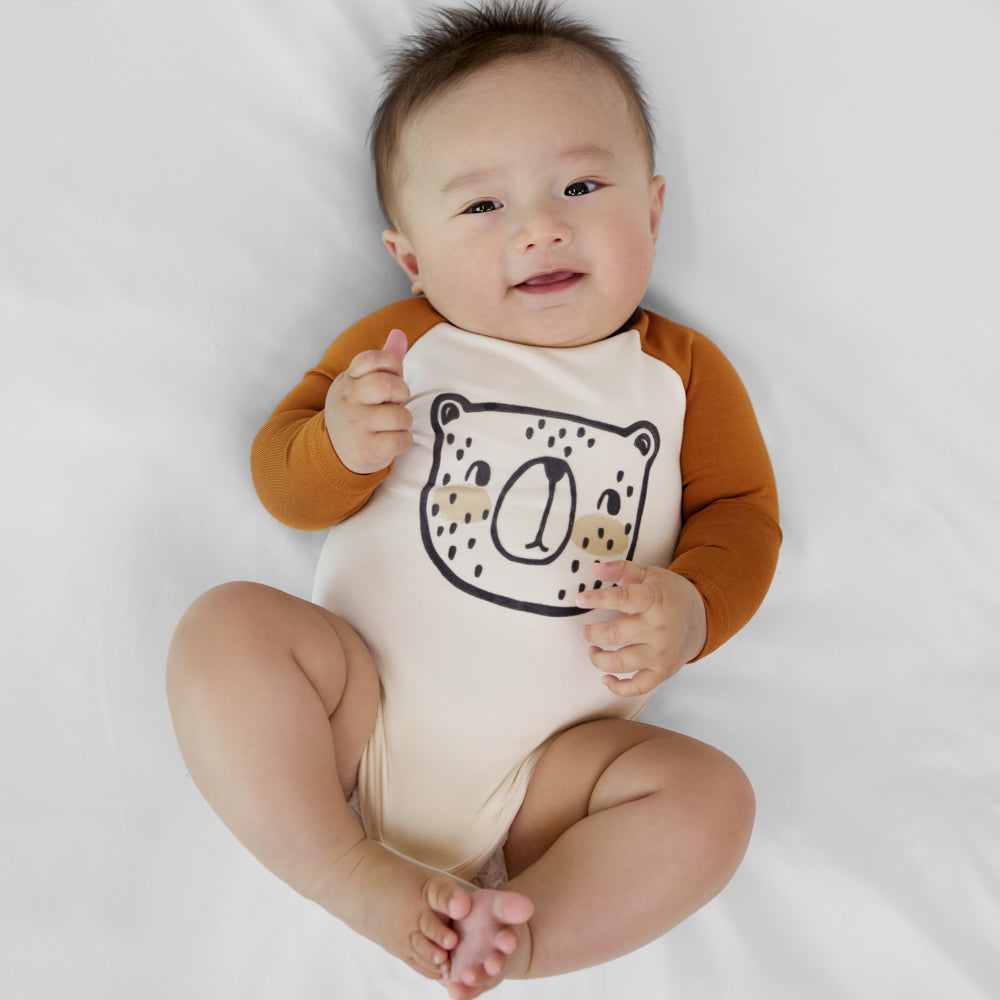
pixel 402 906
pixel 494 929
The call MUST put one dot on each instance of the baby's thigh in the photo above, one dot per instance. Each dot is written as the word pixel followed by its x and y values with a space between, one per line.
pixel 597 765
pixel 293 655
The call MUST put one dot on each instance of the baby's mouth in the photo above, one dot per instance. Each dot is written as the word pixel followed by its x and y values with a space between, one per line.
pixel 550 281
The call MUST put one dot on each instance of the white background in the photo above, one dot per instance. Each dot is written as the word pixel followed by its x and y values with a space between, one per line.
pixel 186 222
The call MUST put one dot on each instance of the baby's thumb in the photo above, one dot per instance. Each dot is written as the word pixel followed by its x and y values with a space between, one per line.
pixel 395 343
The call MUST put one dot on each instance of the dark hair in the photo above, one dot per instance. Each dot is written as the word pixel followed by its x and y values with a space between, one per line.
pixel 455 42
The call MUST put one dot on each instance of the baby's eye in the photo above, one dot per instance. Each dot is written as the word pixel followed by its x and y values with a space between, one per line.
pixel 478 207
pixel 581 187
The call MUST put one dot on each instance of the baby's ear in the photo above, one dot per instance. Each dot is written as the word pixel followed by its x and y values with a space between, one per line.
pixel 657 188
pixel 402 252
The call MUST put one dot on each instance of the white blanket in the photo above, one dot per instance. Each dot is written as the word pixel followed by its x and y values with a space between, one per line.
pixel 187 220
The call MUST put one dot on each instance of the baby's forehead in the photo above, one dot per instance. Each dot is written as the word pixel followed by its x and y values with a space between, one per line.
pixel 518 81
pixel 501 76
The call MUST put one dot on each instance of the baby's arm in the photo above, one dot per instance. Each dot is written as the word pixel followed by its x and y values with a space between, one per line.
pixel 728 546
pixel 300 478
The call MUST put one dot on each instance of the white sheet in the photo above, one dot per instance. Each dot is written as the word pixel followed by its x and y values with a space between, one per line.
pixel 186 220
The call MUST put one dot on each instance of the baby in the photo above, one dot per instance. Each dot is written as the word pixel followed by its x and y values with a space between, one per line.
pixel 543 502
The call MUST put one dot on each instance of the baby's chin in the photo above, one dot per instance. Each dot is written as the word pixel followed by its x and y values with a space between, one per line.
pixel 570 319
pixel 543 331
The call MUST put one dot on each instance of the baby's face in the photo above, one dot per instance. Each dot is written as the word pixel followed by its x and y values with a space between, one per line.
pixel 527 210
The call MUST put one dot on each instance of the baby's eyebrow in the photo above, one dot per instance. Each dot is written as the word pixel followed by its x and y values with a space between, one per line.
pixel 471 178
pixel 587 152
pixel 479 177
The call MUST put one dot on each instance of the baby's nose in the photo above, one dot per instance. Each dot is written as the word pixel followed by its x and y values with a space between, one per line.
pixel 543 230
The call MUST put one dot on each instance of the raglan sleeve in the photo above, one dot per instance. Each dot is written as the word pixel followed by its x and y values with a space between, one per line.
pixel 730 534
pixel 297 473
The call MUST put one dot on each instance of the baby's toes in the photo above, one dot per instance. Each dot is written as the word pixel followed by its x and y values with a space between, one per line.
pixel 511 907
pixel 438 932
pixel 431 956
pixel 426 957
pixel 447 897
pixel 492 966
pixel 495 964
pixel 506 942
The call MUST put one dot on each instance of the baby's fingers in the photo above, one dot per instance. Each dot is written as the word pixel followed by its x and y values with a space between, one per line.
pixel 624 631
pixel 395 343
pixel 640 683
pixel 388 359
pixel 630 598
pixel 620 571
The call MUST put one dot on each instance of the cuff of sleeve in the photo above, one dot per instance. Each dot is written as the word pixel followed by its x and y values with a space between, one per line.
pixel 729 553
pixel 351 486
pixel 717 618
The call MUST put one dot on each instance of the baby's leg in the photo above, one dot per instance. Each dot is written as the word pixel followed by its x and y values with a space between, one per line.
pixel 273 701
pixel 626 830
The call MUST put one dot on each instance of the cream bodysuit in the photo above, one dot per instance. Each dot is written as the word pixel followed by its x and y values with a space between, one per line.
pixel 460 566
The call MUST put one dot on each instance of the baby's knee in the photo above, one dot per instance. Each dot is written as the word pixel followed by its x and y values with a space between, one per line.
pixel 706 792
pixel 218 621
pixel 726 809
pixel 227 607
pixel 738 793
pixel 226 601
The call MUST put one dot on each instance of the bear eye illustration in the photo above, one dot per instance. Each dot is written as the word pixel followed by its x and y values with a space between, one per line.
pixel 611 501
pixel 644 443
pixel 450 411
pixel 480 472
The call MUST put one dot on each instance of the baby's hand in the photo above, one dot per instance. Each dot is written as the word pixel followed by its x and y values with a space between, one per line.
pixel 664 625
pixel 365 416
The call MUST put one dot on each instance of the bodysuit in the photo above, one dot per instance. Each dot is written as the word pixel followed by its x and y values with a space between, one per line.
pixel 460 565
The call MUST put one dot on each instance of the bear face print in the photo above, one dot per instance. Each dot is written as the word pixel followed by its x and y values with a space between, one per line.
pixel 519 502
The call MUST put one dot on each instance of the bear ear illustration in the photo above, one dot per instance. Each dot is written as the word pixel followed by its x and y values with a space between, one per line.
pixel 448 408
pixel 645 439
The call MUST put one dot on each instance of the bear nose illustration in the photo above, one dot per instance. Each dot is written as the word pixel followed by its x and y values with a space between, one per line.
pixel 523 532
